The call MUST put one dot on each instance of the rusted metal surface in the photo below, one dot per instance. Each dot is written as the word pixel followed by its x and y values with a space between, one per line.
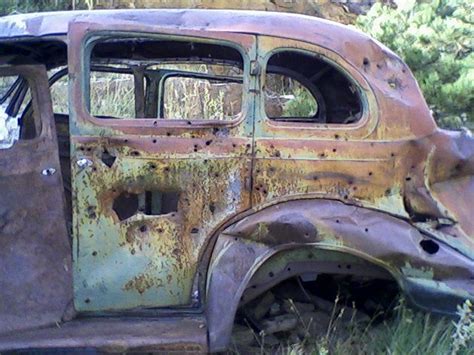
pixel 244 251
pixel 35 249
pixel 390 190
pixel 176 335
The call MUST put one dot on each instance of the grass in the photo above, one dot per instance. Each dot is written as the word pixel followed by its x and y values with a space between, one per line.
pixel 407 332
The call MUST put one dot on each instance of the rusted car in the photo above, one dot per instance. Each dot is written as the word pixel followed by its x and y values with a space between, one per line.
pixel 159 168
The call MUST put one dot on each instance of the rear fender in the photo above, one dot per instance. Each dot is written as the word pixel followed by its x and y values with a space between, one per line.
pixel 428 271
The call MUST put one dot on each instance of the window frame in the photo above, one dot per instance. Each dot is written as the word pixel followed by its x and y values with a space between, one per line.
pixel 369 112
pixel 184 74
pixel 33 75
pixel 81 106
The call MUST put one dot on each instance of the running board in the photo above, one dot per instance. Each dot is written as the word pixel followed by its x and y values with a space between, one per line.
pixel 170 334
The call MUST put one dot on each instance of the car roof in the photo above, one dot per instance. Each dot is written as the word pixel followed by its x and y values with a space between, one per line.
pixel 300 27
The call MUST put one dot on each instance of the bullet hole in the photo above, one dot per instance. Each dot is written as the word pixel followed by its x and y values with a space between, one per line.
pixel 143 229
pixel 338 221
pixel 91 212
pixel 336 136
pixel 215 130
pixel 348 267
pixel 388 192
pixel 350 182
pixel 155 123
pixel 354 188
pixel 366 61
pixel 209 142
pixel 190 123
pixel 379 66
pixel 194 230
pixel 334 150
pixel 322 155
pixel 234 145
pixel 288 269
pixel 168 134
pixel 152 166
pixel 154 140
pixel 392 154
pixel 264 192
pixel 370 173
pixel 159 230
pixel 339 266
pixel 81 149
pixel 135 153
pixel 366 230
pixel 166 169
pixel 89 149
pixel 132 251
pixel 195 147
pixel 429 246
pixel 248 145
pixel 346 197
pixel 277 154
pixel 408 178
pixel 257 188
pixel 271 274
pixel 87 300
pixel 216 175
pixel 413 167
pixel 212 208
pixel 315 177
pixel 94 253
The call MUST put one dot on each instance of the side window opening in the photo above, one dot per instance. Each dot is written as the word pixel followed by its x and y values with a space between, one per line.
pixel 301 87
pixel 178 80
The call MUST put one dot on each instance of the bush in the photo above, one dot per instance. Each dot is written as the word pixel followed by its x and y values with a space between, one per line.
pixel 435 38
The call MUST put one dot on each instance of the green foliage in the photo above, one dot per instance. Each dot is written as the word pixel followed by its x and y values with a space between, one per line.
pixel 303 104
pixel 406 332
pixel 436 40
pixel 23 6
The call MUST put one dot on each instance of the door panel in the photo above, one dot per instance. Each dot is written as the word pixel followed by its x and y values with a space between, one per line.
pixel 148 193
pixel 302 157
pixel 35 251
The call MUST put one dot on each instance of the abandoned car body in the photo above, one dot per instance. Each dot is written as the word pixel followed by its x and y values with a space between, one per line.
pixel 176 176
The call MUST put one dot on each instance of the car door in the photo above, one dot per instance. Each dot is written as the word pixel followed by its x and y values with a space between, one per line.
pixel 35 249
pixel 149 192
pixel 314 130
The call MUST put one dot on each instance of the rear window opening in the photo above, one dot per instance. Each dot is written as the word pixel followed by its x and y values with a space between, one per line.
pixel 139 77
pixel 301 87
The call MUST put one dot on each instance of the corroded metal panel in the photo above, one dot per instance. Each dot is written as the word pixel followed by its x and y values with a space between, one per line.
pixel 318 231
pixel 148 260
pixel 387 161
pixel 35 254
